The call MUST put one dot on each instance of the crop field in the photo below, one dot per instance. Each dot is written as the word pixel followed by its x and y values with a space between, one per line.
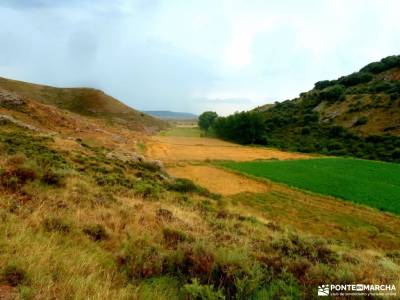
pixel 182 132
pixel 371 183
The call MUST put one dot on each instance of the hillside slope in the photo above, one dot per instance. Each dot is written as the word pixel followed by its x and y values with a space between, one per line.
pixel 85 101
pixel 357 115
pixel 373 94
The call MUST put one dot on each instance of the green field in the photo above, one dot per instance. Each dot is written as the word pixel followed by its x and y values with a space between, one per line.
pixel 372 183
pixel 182 132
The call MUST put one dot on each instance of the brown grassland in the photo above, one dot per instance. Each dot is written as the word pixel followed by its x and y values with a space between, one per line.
pixel 85 216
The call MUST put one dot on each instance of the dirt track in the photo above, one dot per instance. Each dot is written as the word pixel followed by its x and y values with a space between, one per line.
pixel 173 149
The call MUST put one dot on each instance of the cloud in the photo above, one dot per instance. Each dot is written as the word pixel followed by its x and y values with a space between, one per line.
pixel 194 55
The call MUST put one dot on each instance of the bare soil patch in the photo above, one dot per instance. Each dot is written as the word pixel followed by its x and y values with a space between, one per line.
pixel 7 292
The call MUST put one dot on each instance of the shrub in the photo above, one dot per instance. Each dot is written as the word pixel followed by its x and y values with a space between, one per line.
pixel 361 121
pixel 150 165
pixel 147 190
pixel 14 275
pixel 332 94
pixel 198 261
pixel 320 85
pixel 385 64
pixel 375 67
pixel 164 214
pixel 56 224
pixel 96 232
pixel 184 185
pixel 173 237
pixel 141 258
pixel 305 130
pixel 17 173
pixel 283 287
pixel 356 78
pixel 197 291
pixel 53 177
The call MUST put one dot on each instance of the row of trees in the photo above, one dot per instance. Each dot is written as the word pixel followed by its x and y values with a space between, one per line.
pixel 241 127
pixel 295 127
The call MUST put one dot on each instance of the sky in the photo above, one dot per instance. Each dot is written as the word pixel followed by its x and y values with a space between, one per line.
pixel 192 56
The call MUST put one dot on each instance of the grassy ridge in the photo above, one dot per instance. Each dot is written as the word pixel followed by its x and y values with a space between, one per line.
pixel 367 182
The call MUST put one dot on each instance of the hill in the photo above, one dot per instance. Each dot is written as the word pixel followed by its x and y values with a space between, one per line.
pixel 356 115
pixel 171 115
pixel 84 101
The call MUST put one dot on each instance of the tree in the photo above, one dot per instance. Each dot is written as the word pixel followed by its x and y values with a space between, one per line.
pixel 206 120
pixel 244 127
pixel 332 94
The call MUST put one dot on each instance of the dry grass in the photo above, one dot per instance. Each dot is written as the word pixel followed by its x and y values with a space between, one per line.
pixel 218 181
pixel 173 149
pixel 242 245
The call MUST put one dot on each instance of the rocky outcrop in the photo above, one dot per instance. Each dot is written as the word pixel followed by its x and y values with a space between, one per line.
pixel 6 118
pixel 8 98
pixel 135 158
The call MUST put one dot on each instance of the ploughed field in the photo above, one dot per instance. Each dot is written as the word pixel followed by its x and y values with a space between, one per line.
pixel 372 183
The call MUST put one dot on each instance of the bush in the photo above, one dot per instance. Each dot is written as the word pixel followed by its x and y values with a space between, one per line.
pixel 361 121
pixel 332 94
pixel 283 287
pixel 56 224
pixel 385 64
pixel 183 185
pixel 96 232
pixel 53 177
pixel 375 67
pixel 165 214
pixel 173 237
pixel 356 78
pixel 18 172
pixel 305 130
pixel 147 190
pixel 320 85
pixel 197 291
pixel 14 275
pixel 141 258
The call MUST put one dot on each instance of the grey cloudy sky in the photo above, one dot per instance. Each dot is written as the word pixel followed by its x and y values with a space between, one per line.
pixel 221 55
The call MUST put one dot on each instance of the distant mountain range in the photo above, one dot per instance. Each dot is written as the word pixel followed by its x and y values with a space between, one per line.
pixel 171 115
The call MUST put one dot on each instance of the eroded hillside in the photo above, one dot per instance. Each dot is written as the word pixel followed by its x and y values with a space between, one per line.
pixel 84 101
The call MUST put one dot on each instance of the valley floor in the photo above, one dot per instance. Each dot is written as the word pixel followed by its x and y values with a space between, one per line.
pixel 324 216
pixel 85 216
